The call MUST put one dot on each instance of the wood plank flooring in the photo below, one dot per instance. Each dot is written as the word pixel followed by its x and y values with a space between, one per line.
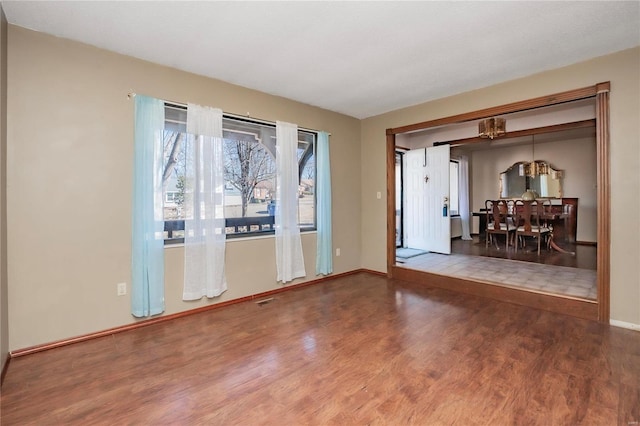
pixel 585 255
pixel 360 349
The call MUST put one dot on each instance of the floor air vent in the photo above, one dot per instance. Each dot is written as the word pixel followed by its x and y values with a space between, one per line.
pixel 264 301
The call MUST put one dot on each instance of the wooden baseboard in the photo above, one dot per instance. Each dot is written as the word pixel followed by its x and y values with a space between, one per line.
pixel 163 318
pixel 371 271
pixel 624 324
pixel 5 368
pixel 580 308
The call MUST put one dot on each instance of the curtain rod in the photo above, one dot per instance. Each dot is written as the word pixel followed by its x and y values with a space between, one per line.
pixel 182 105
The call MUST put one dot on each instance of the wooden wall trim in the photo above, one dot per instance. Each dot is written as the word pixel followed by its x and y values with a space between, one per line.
pixel 143 323
pixel 371 271
pixel 542 101
pixel 563 305
pixel 574 307
pixel 5 368
pixel 600 92
pixel 603 174
pixel 391 203
pixel 527 132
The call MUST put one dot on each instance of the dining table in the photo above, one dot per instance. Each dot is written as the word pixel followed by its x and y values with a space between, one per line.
pixel 547 217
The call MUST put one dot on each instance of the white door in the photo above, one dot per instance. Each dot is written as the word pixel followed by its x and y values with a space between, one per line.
pixel 414 191
pixel 427 222
pixel 437 200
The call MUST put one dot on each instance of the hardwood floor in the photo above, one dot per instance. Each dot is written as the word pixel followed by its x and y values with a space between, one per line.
pixel 360 349
pixel 585 255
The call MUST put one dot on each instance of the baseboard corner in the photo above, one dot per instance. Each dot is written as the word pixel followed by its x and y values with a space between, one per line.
pixel 624 324
pixel 5 368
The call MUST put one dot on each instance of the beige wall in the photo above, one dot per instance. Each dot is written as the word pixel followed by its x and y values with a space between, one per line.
pixel 4 307
pixel 622 69
pixel 70 131
pixel 69 172
pixel 575 157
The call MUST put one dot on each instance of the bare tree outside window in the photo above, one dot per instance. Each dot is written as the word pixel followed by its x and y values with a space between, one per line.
pixel 249 175
pixel 173 176
pixel 306 202
pixel 247 164
pixel 173 145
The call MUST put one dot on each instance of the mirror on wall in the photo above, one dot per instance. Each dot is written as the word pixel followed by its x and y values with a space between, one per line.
pixel 537 176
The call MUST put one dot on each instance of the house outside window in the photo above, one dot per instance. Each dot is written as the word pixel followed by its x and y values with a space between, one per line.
pixel 249 172
pixel 170 198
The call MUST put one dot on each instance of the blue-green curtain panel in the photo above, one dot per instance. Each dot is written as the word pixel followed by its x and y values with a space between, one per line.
pixel 324 250
pixel 147 253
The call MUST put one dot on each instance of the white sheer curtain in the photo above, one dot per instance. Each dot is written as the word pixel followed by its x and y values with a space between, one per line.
pixel 289 258
pixel 463 184
pixel 204 240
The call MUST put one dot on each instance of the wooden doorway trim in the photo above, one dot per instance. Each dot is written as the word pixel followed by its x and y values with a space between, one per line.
pixel 391 203
pixel 598 91
pixel 543 101
pixel 603 177
pixel 527 132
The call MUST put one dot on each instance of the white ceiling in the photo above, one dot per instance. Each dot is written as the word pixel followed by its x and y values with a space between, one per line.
pixel 356 58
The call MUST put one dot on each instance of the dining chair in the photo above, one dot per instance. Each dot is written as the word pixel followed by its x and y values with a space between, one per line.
pixel 530 218
pixel 499 221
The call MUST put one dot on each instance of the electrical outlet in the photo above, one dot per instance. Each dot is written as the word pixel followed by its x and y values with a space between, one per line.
pixel 122 289
pixel 337 252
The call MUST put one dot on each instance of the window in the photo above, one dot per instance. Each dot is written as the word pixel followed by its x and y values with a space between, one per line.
pixel 249 174
pixel 171 197
pixel 453 188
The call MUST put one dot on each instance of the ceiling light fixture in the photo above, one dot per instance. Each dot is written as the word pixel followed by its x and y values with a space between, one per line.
pixel 492 127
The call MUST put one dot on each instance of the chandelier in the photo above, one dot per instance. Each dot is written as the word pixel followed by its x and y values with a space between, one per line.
pixel 492 127
pixel 535 168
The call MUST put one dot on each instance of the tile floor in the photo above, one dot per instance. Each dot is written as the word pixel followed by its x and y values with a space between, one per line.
pixel 580 283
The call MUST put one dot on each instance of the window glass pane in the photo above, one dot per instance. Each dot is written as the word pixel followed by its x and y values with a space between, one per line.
pixel 173 180
pixel 453 187
pixel 249 173
pixel 307 187
pixel 250 176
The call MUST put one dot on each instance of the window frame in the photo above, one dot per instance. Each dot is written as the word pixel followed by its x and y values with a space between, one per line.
pixel 171 226
pixel 457 175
